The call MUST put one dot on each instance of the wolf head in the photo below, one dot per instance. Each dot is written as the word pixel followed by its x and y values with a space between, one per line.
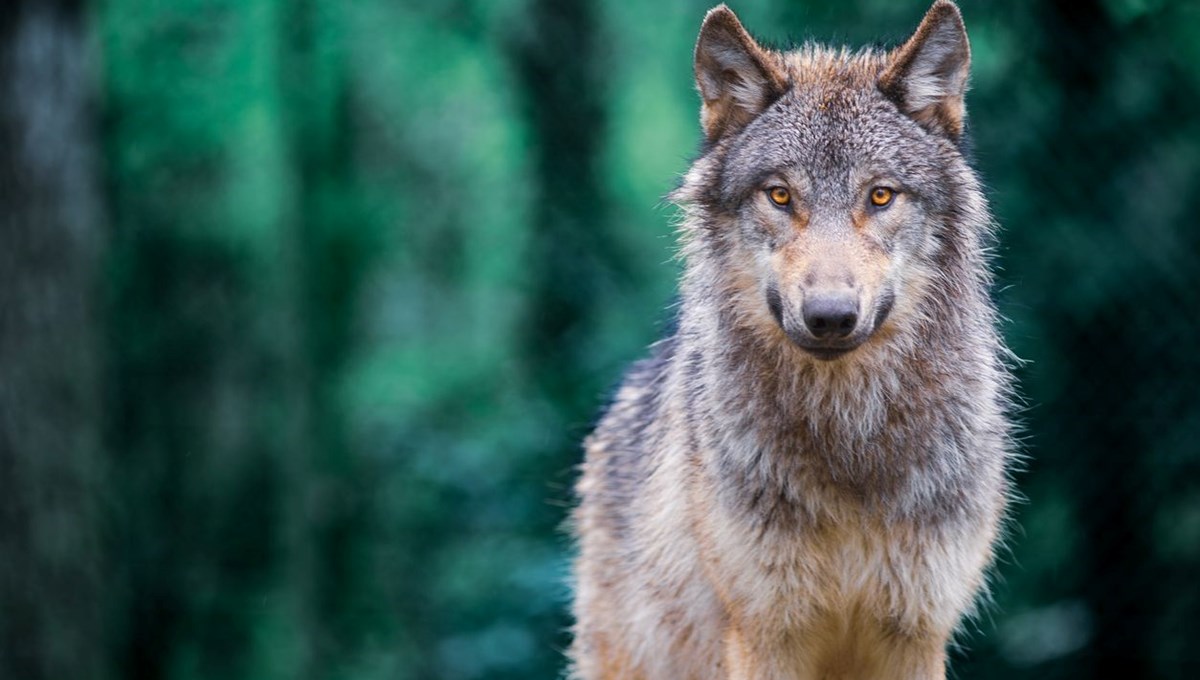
pixel 832 199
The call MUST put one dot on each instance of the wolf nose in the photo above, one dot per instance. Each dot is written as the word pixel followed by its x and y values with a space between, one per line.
pixel 830 316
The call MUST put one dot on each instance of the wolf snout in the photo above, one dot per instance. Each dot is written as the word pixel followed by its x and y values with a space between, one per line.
pixel 830 316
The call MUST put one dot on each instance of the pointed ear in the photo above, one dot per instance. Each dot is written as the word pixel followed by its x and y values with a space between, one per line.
pixel 737 78
pixel 927 76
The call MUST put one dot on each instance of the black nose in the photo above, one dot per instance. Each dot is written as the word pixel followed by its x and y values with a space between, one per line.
pixel 830 316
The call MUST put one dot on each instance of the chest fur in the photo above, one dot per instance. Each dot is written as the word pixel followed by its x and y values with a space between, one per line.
pixel 835 573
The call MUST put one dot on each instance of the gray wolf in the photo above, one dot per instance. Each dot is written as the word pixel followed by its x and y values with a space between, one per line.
pixel 807 478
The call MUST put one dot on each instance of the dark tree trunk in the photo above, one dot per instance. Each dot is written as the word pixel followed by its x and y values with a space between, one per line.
pixel 572 259
pixel 50 561
pixel 1108 359
pixel 334 258
pixel 205 412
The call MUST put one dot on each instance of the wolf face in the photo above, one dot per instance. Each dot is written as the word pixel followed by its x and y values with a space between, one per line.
pixel 830 179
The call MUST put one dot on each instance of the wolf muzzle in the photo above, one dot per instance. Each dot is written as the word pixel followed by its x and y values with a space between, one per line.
pixel 830 324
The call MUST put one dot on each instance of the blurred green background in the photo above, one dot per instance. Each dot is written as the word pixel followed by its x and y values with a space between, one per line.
pixel 306 305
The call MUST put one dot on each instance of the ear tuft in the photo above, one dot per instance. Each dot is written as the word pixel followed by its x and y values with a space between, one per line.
pixel 927 75
pixel 736 77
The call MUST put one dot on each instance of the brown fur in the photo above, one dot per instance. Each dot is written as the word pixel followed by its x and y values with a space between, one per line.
pixel 764 499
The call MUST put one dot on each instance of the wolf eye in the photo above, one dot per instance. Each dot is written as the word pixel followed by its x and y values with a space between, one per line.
pixel 882 196
pixel 779 196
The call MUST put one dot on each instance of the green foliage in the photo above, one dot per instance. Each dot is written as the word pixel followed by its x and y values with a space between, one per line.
pixel 372 267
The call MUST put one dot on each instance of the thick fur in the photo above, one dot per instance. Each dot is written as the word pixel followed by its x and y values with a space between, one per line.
pixel 759 502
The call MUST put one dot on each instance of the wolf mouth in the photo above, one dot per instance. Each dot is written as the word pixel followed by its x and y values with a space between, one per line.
pixel 828 353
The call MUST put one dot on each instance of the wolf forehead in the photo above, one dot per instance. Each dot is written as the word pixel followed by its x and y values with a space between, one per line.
pixel 834 126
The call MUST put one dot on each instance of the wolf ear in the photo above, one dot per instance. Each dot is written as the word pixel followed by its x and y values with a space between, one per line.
pixel 737 78
pixel 927 76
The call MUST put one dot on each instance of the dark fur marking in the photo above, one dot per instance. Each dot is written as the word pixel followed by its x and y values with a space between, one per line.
pixel 775 304
pixel 886 302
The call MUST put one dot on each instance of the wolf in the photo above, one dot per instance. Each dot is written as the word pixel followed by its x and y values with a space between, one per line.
pixel 807 478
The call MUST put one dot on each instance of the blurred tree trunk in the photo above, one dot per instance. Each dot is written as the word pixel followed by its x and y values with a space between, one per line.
pixel 573 259
pixel 51 603
pixel 207 399
pixel 333 258
pixel 1080 45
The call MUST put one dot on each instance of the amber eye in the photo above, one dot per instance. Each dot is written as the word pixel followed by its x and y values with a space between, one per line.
pixel 779 196
pixel 882 196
